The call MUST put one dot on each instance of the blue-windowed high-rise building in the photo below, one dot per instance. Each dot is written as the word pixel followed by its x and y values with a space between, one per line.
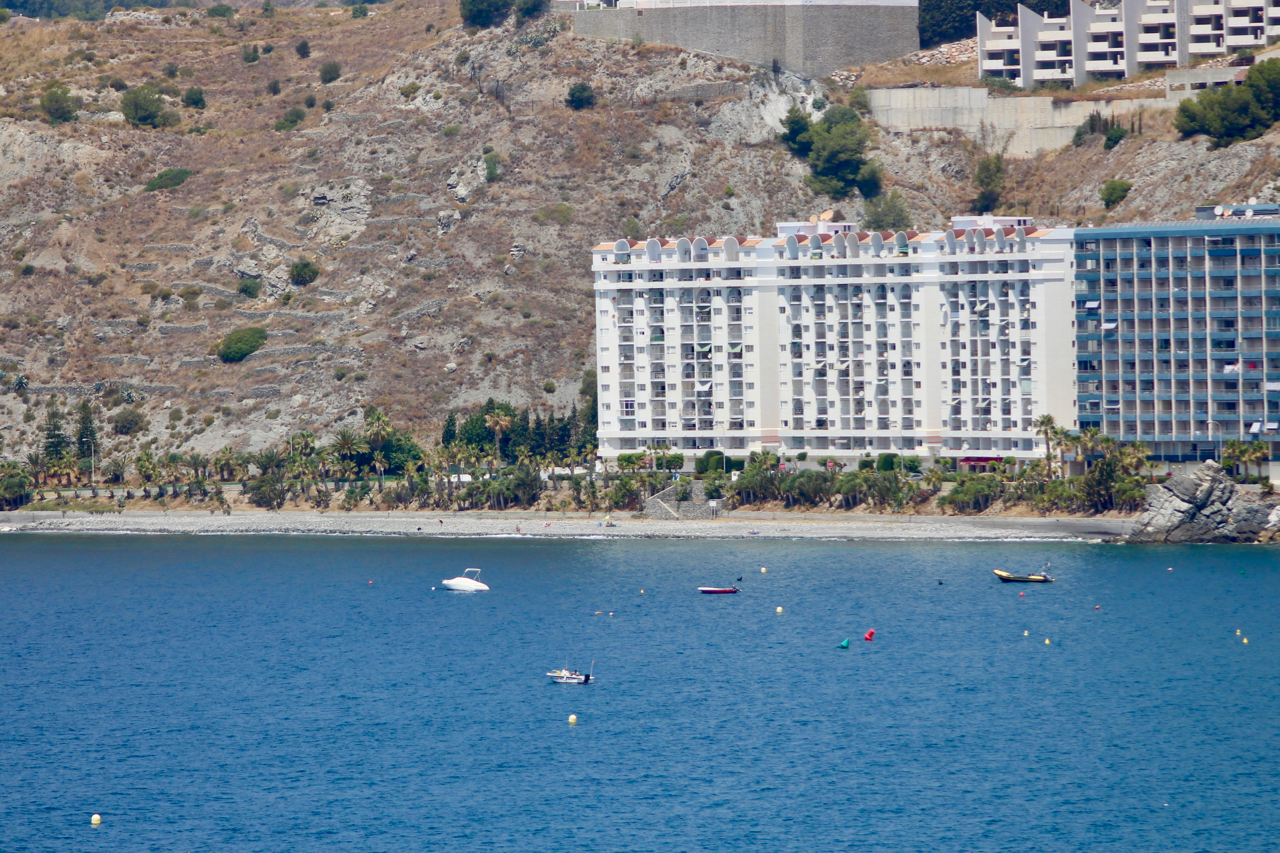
pixel 1178 332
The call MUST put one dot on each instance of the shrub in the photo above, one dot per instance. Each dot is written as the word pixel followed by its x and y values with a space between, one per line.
pixel 330 72
pixel 526 9
pixel 249 287
pixel 451 130
pixel 28 269
pixel 1230 114
pixel 835 147
pixel 302 272
pixel 141 106
pixel 491 166
pixel 118 84
pixel 268 9
pixel 167 180
pixel 998 84
pixel 990 180
pixel 327 106
pixel 273 87
pixel 249 53
pixel 309 101
pixel 484 13
pixel 549 387
pixel 58 105
pixel 887 213
pixel 194 98
pixel 360 11
pixel 303 49
pixel 293 117
pixel 1114 192
pixel 240 344
pixel 560 214
pixel 408 90
pixel 171 70
pixel 4 16
pixel 222 10
pixel 1114 135
pixel 128 422
pixel 581 97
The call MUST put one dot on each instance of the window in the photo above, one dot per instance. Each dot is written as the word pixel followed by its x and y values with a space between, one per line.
pixel 604 369
pixel 604 387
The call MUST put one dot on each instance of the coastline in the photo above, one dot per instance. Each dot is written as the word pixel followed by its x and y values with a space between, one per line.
pixel 552 526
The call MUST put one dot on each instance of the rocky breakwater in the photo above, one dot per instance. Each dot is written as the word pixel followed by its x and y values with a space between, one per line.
pixel 1206 506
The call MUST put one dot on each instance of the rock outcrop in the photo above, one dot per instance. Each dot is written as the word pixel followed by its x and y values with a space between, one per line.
pixel 1206 506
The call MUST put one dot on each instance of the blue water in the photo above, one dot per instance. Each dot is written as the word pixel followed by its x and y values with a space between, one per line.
pixel 260 694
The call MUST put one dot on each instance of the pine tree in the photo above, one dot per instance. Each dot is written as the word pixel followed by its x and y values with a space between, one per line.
pixel 55 440
pixel 450 432
pixel 87 432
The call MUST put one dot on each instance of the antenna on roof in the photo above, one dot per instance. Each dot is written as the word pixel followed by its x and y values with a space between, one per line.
pixel 1248 213
pixel 1217 211
pixel 1253 199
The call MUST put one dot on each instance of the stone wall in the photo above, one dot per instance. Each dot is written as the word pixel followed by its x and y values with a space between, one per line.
pixel 810 40
pixel 1031 124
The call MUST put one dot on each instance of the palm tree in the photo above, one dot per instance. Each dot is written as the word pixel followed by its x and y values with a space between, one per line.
pixel 379 464
pixel 269 461
pixel 1134 456
pixel 498 422
pixel 1232 454
pixel 1087 442
pixel 1066 442
pixel 199 465
pixel 1256 453
pixel 146 467
pixel 347 444
pixel 225 463
pixel 377 429
pixel 115 470
pixel 1045 425
pixel 38 465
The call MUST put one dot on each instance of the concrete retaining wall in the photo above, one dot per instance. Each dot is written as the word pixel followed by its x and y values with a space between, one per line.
pixel 1032 125
pixel 808 40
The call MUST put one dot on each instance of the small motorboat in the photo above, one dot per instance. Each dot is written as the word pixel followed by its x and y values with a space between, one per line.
pixel 718 590
pixel 465 583
pixel 1038 577
pixel 571 676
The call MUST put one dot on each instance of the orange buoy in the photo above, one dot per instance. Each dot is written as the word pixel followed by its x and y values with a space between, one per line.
pixel 1097 607
pixel 869 635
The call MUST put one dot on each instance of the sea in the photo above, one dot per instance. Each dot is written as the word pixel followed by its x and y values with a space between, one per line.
pixel 292 693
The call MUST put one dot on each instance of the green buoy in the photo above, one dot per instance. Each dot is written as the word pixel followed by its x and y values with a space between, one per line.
pixel 845 644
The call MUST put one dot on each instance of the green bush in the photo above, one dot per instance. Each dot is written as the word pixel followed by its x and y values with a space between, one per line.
pixel 273 87
pixel 526 9
pixel 249 53
pixel 360 11
pixel 171 70
pixel 240 344
pixel 58 105
pixel 4 16
pixel 293 117
pixel 167 180
pixel 1114 192
pixel 249 287
pixel 560 214
pixel 194 98
pixel 887 213
pixel 1114 135
pixel 142 106
pixel 451 130
pixel 327 106
pixel 1230 114
pixel 302 272
pixel 581 97
pixel 309 101
pixel 303 49
pixel 835 148
pixel 989 178
pixel 549 387
pixel 330 72
pixel 222 10
pixel 484 13
pixel 491 166
pixel 118 84
pixel 128 422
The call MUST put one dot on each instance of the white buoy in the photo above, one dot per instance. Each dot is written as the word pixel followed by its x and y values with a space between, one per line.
pixel 96 819
pixel 779 609
pixel 1237 632
pixel 763 570
pixel 1169 569
pixel 1026 633
pixel 642 592
pixel 573 719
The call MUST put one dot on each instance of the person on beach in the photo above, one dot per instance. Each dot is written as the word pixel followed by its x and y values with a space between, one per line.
pixel 517 528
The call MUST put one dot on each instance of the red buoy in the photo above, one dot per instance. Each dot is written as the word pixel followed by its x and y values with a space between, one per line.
pixel 869 635
pixel 1022 595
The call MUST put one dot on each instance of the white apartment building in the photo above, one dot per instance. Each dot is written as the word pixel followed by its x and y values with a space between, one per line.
pixel 1117 42
pixel 838 343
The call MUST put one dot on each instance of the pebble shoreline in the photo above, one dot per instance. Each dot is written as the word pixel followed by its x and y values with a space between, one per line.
pixel 457 525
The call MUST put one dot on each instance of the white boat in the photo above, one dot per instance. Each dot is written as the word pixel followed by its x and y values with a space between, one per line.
pixel 570 676
pixel 465 583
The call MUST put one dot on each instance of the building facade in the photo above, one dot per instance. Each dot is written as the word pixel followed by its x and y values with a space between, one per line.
pixel 838 343
pixel 1118 42
pixel 1179 332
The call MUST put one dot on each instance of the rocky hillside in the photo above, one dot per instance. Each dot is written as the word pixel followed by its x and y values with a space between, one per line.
pixel 441 186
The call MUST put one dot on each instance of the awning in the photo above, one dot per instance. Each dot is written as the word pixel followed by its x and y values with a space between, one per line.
pixel 703 347
pixel 1271 426
pixel 735 347
pixel 1231 368
pixel 1110 325
pixel 1256 428
pixel 1092 303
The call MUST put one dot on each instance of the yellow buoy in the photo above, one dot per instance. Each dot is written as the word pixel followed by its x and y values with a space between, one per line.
pixel 1026 633
pixel 1246 641
pixel 763 570
pixel 96 819
pixel 1237 632
pixel 573 719
pixel 779 609
pixel 642 592
pixel 1046 641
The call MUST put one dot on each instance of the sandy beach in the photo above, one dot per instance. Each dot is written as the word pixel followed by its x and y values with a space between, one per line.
pixel 798 526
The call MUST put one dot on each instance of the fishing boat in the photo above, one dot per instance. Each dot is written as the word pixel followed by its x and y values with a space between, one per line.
pixel 1038 577
pixel 571 676
pixel 718 590
pixel 465 583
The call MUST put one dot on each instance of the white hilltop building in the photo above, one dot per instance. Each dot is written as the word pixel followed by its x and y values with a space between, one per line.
pixel 1118 42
